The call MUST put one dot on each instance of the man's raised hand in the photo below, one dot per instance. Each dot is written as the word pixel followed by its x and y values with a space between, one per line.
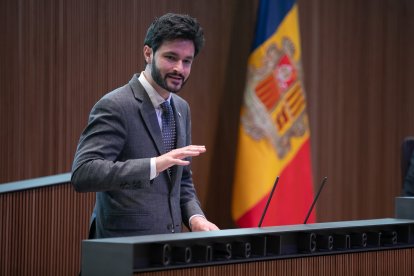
pixel 176 156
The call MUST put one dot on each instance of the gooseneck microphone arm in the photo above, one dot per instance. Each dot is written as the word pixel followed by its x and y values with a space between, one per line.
pixel 268 201
pixel 316 198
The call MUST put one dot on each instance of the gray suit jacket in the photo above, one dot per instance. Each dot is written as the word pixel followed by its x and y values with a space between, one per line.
pixel 113 159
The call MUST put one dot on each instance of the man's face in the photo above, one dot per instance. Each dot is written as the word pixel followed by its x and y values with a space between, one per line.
pixel 171 64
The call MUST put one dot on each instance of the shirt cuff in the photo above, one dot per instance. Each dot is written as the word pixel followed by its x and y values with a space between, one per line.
pixel 193 216
pixel 153 170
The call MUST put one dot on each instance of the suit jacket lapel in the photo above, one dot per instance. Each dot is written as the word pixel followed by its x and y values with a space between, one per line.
pixel 149 117
pixel 180 124
pixel 180 132
pixel 147 112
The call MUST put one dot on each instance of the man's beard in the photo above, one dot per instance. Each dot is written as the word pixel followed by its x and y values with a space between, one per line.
pixel 162 82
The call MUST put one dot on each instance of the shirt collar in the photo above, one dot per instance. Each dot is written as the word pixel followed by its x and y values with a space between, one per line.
pixel 155 98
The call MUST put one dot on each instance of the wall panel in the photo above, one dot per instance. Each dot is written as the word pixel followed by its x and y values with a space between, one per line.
pixel 358 61
pixel 41 230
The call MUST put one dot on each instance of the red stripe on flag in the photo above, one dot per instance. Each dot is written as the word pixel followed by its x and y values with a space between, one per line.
pixel 298 108
pixel 268 92
pixel 292 198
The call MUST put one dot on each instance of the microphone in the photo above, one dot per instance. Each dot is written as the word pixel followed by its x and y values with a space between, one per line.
pixel 315 199
pixel 268 201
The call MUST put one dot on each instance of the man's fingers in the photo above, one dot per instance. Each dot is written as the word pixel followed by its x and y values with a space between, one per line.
pixel 184 154
pixel 187 151
pixel 181 162
pixel 195 147
pixel 177 156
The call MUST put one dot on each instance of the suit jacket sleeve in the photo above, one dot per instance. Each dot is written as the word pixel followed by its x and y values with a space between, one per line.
pixel 95 166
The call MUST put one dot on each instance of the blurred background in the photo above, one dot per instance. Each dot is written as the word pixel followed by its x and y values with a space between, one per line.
pixel 57 58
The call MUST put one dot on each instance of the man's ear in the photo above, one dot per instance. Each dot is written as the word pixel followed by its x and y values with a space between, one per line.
pixel 147 54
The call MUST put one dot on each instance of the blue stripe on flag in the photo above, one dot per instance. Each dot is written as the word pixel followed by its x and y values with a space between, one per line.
pixel 270 14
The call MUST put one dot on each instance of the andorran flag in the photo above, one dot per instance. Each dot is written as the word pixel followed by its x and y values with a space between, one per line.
pixel 274 136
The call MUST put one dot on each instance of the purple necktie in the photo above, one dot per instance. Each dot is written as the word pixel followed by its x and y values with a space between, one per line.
pixel 168 127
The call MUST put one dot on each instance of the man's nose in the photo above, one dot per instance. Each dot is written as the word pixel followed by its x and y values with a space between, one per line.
pixel 178 66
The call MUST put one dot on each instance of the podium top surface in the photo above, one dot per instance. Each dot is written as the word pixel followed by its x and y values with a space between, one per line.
pixel 252 231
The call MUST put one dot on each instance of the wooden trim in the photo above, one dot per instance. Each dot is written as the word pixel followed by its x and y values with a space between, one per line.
pixel 35 183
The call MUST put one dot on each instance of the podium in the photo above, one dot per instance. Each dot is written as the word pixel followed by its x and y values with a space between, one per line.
pixel 364 245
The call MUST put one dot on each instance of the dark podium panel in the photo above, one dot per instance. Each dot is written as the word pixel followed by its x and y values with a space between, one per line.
pixel 251 247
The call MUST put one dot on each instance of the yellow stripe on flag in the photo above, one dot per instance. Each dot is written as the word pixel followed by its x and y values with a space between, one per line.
pixel 257 167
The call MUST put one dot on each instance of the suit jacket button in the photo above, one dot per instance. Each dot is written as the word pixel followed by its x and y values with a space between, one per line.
pixel 170 227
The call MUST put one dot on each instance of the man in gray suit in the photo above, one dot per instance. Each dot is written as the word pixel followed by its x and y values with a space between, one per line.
pixel 136 149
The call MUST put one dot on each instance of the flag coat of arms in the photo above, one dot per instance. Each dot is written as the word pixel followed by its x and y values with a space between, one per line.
pixel 274 135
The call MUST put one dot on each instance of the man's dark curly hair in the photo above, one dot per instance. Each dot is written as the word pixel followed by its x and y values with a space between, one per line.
pixel 174 26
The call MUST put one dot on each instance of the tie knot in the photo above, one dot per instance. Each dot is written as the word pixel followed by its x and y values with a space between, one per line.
pixel 166 107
